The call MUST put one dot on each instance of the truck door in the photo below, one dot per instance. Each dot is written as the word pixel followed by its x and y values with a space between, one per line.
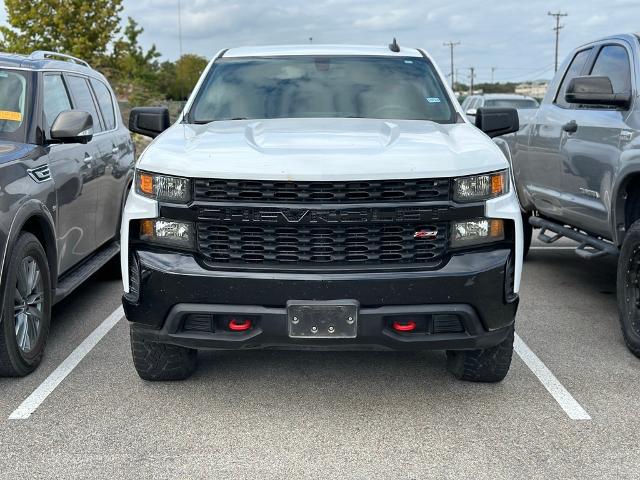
pixel 591 149
pixel 540 172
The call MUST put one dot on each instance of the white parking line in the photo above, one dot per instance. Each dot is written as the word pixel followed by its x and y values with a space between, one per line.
pixel 45 389
pixel 569 404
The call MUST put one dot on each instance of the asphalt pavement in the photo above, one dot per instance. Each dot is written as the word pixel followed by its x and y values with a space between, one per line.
pixel 339 415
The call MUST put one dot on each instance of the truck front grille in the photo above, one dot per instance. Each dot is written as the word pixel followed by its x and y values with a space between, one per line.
pixel 264 191
pixel 330 245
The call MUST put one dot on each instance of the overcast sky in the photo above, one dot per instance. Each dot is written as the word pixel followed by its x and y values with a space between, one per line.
pixel 515 37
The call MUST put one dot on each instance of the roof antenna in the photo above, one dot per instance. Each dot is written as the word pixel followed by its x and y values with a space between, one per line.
pixel 394 47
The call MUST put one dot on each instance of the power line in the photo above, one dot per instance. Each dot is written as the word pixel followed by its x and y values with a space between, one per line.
pixel 557 29
pixel 451 46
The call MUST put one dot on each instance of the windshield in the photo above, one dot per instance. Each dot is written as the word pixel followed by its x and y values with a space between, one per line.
pixel 322 87
pixel 13 94
pixel 523 103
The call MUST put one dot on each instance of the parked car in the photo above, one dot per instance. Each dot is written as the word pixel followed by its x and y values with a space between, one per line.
pixel 577 163
pixel 321 197
pixel 66 161
pixel 472 103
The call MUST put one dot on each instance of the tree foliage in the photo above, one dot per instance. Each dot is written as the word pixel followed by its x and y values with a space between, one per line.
pixel 77 27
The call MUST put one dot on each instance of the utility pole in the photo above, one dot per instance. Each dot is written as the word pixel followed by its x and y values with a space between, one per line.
pixel 451 46
pixel 493 69
pixel 472 70
pixel 557 28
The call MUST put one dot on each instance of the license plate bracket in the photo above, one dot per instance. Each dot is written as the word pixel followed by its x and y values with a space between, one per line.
pixel 322 319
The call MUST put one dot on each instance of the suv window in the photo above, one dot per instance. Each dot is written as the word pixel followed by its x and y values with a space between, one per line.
pixel 574 70
pixel 103 95
pixel 83 100
pixel 55 98
pixel 613 62
pixel 13 105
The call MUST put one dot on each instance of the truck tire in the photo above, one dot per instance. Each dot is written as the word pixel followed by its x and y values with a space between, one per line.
pixel 159 361
pixel 527 230
pixel 628 288
pixel 26 311
pixel 488 365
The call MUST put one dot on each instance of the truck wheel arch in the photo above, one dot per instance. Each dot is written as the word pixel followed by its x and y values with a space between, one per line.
pixel 626 206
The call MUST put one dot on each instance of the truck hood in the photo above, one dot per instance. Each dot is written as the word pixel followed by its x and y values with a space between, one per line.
pixel 322 149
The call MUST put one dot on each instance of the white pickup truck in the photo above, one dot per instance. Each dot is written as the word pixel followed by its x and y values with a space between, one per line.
pixel 322 197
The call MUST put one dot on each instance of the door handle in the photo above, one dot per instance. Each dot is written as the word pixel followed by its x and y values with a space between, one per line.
pixel 88 159
pixel 115 150
pixel 570 127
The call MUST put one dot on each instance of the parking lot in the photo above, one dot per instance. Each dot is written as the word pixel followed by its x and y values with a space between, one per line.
pixel 327 415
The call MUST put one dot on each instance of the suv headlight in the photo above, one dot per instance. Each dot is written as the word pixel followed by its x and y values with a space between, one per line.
pixel 475 188
pixel 163 188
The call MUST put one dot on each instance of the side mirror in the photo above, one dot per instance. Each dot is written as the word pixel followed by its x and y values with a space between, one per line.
pixel 72 126
pixel 149 121
pixel 472 112
pixel 497 121
pixel 595 91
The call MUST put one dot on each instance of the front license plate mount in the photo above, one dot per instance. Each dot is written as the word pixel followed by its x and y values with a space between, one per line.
pixel 322 319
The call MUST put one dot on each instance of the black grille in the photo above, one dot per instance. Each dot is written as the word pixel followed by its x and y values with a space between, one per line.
pixel 314 245
pixel 415 190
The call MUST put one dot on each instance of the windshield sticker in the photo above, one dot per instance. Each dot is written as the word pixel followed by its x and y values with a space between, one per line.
pixel 433 100
pixel 12 116
pixel 409 62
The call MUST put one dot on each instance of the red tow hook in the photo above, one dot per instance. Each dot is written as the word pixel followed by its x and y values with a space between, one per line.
pixel 409 326
pixel 239 325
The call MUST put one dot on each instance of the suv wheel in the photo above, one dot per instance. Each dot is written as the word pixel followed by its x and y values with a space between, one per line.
pixel 628 288
pixel 488 365
pixel 159 361
pixel 26 312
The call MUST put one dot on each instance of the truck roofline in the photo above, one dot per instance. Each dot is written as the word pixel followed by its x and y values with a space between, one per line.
pixel 311 49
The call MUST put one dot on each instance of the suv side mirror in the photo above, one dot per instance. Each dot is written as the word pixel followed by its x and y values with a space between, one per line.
pixel 497 121
pixel 72 126
pixel 595 91
pixel 149 121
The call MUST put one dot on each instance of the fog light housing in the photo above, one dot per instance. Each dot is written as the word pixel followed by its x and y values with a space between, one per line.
pixel 167 232
pixel 476 232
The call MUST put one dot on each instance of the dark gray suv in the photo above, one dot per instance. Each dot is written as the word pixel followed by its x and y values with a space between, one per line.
pixel 66 163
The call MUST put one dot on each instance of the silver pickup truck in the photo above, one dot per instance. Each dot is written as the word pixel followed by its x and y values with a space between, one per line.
pixel 576 163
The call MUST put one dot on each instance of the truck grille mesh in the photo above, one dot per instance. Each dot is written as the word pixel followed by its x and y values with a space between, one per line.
pixel 312 245
pixel 262 191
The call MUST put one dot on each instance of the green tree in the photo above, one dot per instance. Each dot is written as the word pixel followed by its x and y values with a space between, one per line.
pixel 189 67
pixel 77 27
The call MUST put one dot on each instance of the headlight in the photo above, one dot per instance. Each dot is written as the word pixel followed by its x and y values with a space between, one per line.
pixel 475 232
pixel 480 187
pixel 163 187
pixel 168 232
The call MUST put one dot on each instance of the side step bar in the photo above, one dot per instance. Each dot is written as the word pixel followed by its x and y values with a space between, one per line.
pixel 75 277
pixel 590 247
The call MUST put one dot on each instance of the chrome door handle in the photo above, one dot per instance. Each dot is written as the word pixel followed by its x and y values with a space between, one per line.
pixel 115 150
pixel 88 159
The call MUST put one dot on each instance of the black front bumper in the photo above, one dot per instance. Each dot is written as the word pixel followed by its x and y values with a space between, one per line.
pixel 471 287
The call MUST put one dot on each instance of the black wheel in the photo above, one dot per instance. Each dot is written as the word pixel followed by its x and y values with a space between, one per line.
pixel 628 288
pixel 527 230
pixel 26 312
pixel 161 362
pixel 488 365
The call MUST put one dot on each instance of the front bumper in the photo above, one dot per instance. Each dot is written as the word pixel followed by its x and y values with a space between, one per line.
pixel 470 287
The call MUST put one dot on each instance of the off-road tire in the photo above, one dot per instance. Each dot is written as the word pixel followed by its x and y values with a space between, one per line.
pixel 488 365
pixel 628 289
pixel 159 362
pixel 14 362
pixel 527 230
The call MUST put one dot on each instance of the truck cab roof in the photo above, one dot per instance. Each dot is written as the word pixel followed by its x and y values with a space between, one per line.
pixel 319 50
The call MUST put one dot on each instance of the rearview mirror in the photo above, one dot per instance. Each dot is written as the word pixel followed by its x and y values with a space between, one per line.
pixel 72 126
pixel 497 121
pixel 595 91
pixel 149 121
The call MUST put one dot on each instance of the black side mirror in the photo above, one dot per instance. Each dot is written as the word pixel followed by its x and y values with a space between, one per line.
pixel 149 121
pixel 595 91
pixel 497 121
pixel 72 126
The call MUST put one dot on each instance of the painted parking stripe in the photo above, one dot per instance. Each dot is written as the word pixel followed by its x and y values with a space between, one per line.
pixel 569 404
pixel 45 389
